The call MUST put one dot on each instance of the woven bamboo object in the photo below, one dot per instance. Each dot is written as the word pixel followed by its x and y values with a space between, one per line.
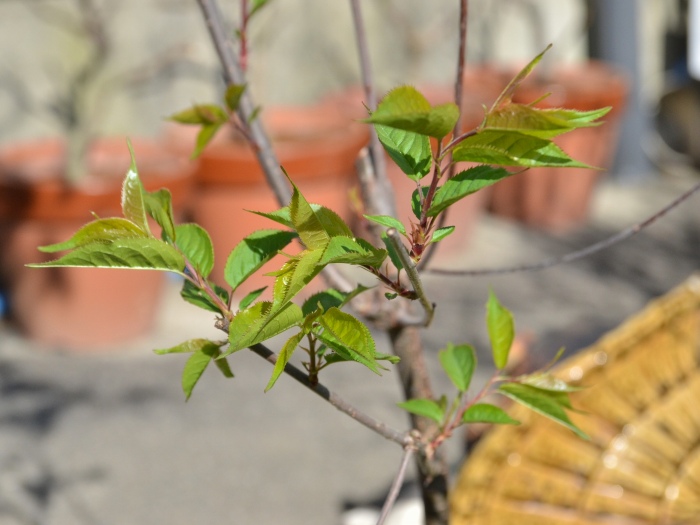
pixel 642 412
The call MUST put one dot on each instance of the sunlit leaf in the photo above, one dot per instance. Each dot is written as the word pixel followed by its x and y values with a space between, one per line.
pixel 507 95
pixel 159 206
pixel 350 251
pixel 541 402
pixel 501 329
pixel 349 337
pixel 410 151
pixel 441 233
pixel 201 114
pixel 424 408
pixel 295 275
pixel 542 123
pixel 197 364
pixel 283 358
pixel 133 205
pixel 196 245
pixel 464 183
pixel 259 323
pixel 388 221
pixel 546 381
pixel 136 253
pixel 407 109
pixel 486 413
pixel 103 231
pixel 206 134
pixel 188 347
pixel 233 95
pixel 512 148
pixel 331 298
pixel 459 363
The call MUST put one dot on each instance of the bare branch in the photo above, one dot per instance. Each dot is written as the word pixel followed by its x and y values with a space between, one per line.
pixel 579 254
pixel 396 485
pixel 402 438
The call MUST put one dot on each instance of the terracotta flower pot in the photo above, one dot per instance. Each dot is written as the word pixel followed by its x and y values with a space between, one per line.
pixel 557 199
pixel 316 145
pixel 75 307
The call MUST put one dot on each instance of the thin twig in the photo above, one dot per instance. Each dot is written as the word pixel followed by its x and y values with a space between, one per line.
pixel 402 438
pixel 579 254
pixel 233 74
pixel 408 265
pixel 396 485
pixel 383 200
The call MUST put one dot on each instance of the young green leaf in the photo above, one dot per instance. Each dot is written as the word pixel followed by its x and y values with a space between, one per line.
pixel 546 381
pixel 233 95
pixel 410 151
pixel 196 245
pixel 441 233
pixel 464 183
pixel 133 205
pixel 459 363
pixel 542 123
pixel 188 347
pixel 138 253
pixel 103 231
pixel 259 323
pixel 159 206
pixel 416 205
pixel 486 413
pixel 250 298
pixel 407 109
pixel 201 114
pixel 507 95
pixel 283 358
pixel 306 222
pixel 348 337
pixel 350 251
pixel 199 298
pixel 501 329
pixel 206 134
pixel 388 221
pixel 197 364
pixel 395 259
pixel 295 275
pixel 424 408
pixel 252 253
pixel 541 402
pixel 512 148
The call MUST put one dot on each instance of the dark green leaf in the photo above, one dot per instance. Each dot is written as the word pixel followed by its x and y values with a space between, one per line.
pixel 348 337
pixel 103 231
pixel 459 363
pixel 424 408
pixel 391 251
pixel 138 253
pixel 195 244
pixel 252 253
pixel 486 413
pixel 199 298
pixel 331 298
pixel 159 207
pixel 511 148
pixel 410 151
pixel 250 298
pixel 283 358
pixel 501 328
pixel 465 183
pixel 407 109
pixel 233 95
pixel 388 221
pixel 541 402
pixel 441 233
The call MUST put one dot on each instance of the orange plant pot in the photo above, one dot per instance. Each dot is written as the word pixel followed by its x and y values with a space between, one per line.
pixel 558 199
pixel 76 308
